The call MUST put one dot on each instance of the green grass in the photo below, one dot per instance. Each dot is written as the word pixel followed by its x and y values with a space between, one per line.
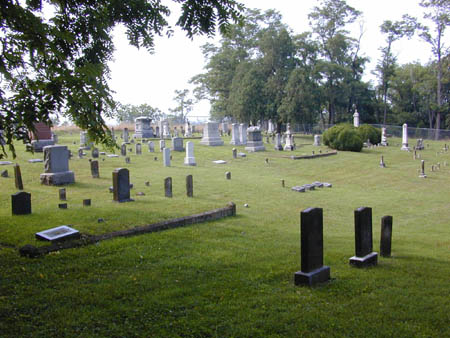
pixel 233 277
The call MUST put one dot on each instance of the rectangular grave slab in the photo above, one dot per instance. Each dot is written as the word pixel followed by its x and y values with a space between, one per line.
pixel 220 162
pixel 61 233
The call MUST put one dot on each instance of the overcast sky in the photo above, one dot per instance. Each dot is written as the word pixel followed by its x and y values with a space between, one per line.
pixel 140 77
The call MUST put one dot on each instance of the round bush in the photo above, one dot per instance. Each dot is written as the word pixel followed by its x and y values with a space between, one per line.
pixel 330 135
pixel 343 137
pixel 368 132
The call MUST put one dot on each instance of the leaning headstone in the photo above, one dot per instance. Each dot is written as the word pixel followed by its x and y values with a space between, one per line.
pixel 363 239
pixel 422 169
pixel 278 145
pixel 123 149
pixel 166 157
pixel 211 135
pixel 405 137
pixel 125 135
pixel 95 153
pixel 228 175
pixel 62 194
pixel 254 142
pixel 386 236
pixel 21 203
pixel 235 138
pixel 18 177
pixel 243 133
pixel 311 228
pixel 56 166
pixel 94 169
pixel 190 159
pixel 189 186
pixel 316 140
pixel 138 147
pixel 177 144
pixel 168 186
pixel 162 145
pixel 121 185
pixel 151 147
pixel 142 127
pixel 383 137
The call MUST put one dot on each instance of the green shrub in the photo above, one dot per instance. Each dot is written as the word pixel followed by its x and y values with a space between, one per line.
pixel 343 137
pixel 368 132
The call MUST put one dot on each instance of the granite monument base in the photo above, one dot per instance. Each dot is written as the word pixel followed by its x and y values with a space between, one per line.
pixel 38 145
pixel 367 260
pixel 61 178
pixel 212 141
pixel 319 275
pixel 255 146
pixel 190 161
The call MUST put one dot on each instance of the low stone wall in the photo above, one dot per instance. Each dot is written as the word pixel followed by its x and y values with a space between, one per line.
pixel 32 251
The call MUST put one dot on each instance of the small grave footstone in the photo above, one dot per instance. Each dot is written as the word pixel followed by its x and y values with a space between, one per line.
pixel 155 158
pixel 35 160
pixel 5 162
pixel 363 239
pixel 168 186
pixel 112 155
pixel 242 155
pixel 282 183
pixel 121 185
pixel 4 173
pixel 87 202
pixel 127 160
pixel 311 229
pixel 94 169
pixel 62 194
pixel 327 185
pixel 220 162
pixel 140 193
pixel 61 233
pixel 386 236
pixel 422 169
pixel 234 153
pixel 228 175
pixel 62 205
pixel 21 203
pixel 18 177
pixel 382 164
pixel 318 184
pixel 147 184
pixel 100 220
pixel 298 188
pixel 267 161
pixel 189 186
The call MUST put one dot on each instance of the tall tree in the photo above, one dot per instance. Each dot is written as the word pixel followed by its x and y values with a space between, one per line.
pixel 58 64
pixel 184 104
pixel 129 112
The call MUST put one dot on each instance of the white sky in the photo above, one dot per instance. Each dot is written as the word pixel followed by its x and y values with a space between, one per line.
pixel 140 77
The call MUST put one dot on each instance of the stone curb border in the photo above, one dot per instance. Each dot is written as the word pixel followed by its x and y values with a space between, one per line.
pixel 311 156
pixel 212 215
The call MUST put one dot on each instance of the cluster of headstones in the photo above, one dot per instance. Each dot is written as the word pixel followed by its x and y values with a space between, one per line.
pixel 312 186
pixel 311 244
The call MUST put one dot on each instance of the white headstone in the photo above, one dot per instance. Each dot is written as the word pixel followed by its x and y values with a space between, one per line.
pixel 166 157
pixel 189 159
pixel 151 146
pixel 235 138
pixel 356 119
pixel 316 140
pixel 278 145
pixel 289 145
pixel 383 137
pixel 243 133
pixel 405 137
pixel 211 135
pixel 162 145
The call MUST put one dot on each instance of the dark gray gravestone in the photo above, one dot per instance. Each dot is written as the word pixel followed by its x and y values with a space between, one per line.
pixel 138 149
pixel 282 183
pixel 363 239
pixel 228 175
pixel 189 186
pixel 4 173
pixel 311 227
pixel 21 203
pixel 386 236
pixel 62 194
pixel 168 186
pixel 123 149
pixel 127 160
pixel 62 205
pixel 234 153
pixel 87 202
pixel 95 153
pixel 18 177
pixel 94 169
pixel 80 152
pixel 121 185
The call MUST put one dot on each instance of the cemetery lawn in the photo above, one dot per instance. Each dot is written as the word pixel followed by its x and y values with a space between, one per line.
pixel 232 277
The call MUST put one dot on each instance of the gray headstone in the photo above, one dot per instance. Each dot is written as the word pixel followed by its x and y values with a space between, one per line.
pixel 21 203
pixel 87 202
pixel 56 166
pixel 228 175
pixel 312 269
pixel 62 205
pixel 18 177
pixel 386 236
pixel 94 169
pixel 138 149
pixel 190 158
pixel 363 239
pixel 80 153
pixel 189 186
pixel 121 185
pixel 4 173
pixel 234 153
pixel 95 153
pixel 125 135
pixel 177 144
pixel 254 141
pixel 166 157
pixel 151 147
pixel 162 145
pixel 168 186
pixel 62 194
pixel 123 149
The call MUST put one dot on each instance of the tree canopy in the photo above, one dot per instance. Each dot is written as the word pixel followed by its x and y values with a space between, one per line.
pixel 54 55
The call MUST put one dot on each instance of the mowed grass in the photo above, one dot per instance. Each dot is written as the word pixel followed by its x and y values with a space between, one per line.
pixel 233 277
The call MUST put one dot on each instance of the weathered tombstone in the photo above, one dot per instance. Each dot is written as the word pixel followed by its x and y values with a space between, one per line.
pixel 56 166
pixel 422 169
pixel 138 147
pixel 228 175
pixel 87 202
pixel 363 239
pixel 95 153
pixel 177 144
pixel 121 185
pixel 254 142
pixel 166 157
pixel 386 236
pixel 405 137
pixel 317 140
pixel 41 137
pixel 383 137
pixel 4 173
pixel 21 203
pixel 125 135
pixel 278 145
pixel 211 135
pixel 289 145
pixel 234 153
pixel 18 177
pixel 157 133
pixel 62 205
pixel 356 119
pixel 80 153
pixel 270 127
pixel 94 169
pixel 243 133
pixel 123 149
pixel 151 147
pixel 162 145
pixel 142 127
pixel 312 269
pixel 235 138
pixel 127 160
pixel 382 164
pixel 187 129
pixel 168 186
pixel 62 194
pixel 190 159
pixel 419 145
pixel 189 186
